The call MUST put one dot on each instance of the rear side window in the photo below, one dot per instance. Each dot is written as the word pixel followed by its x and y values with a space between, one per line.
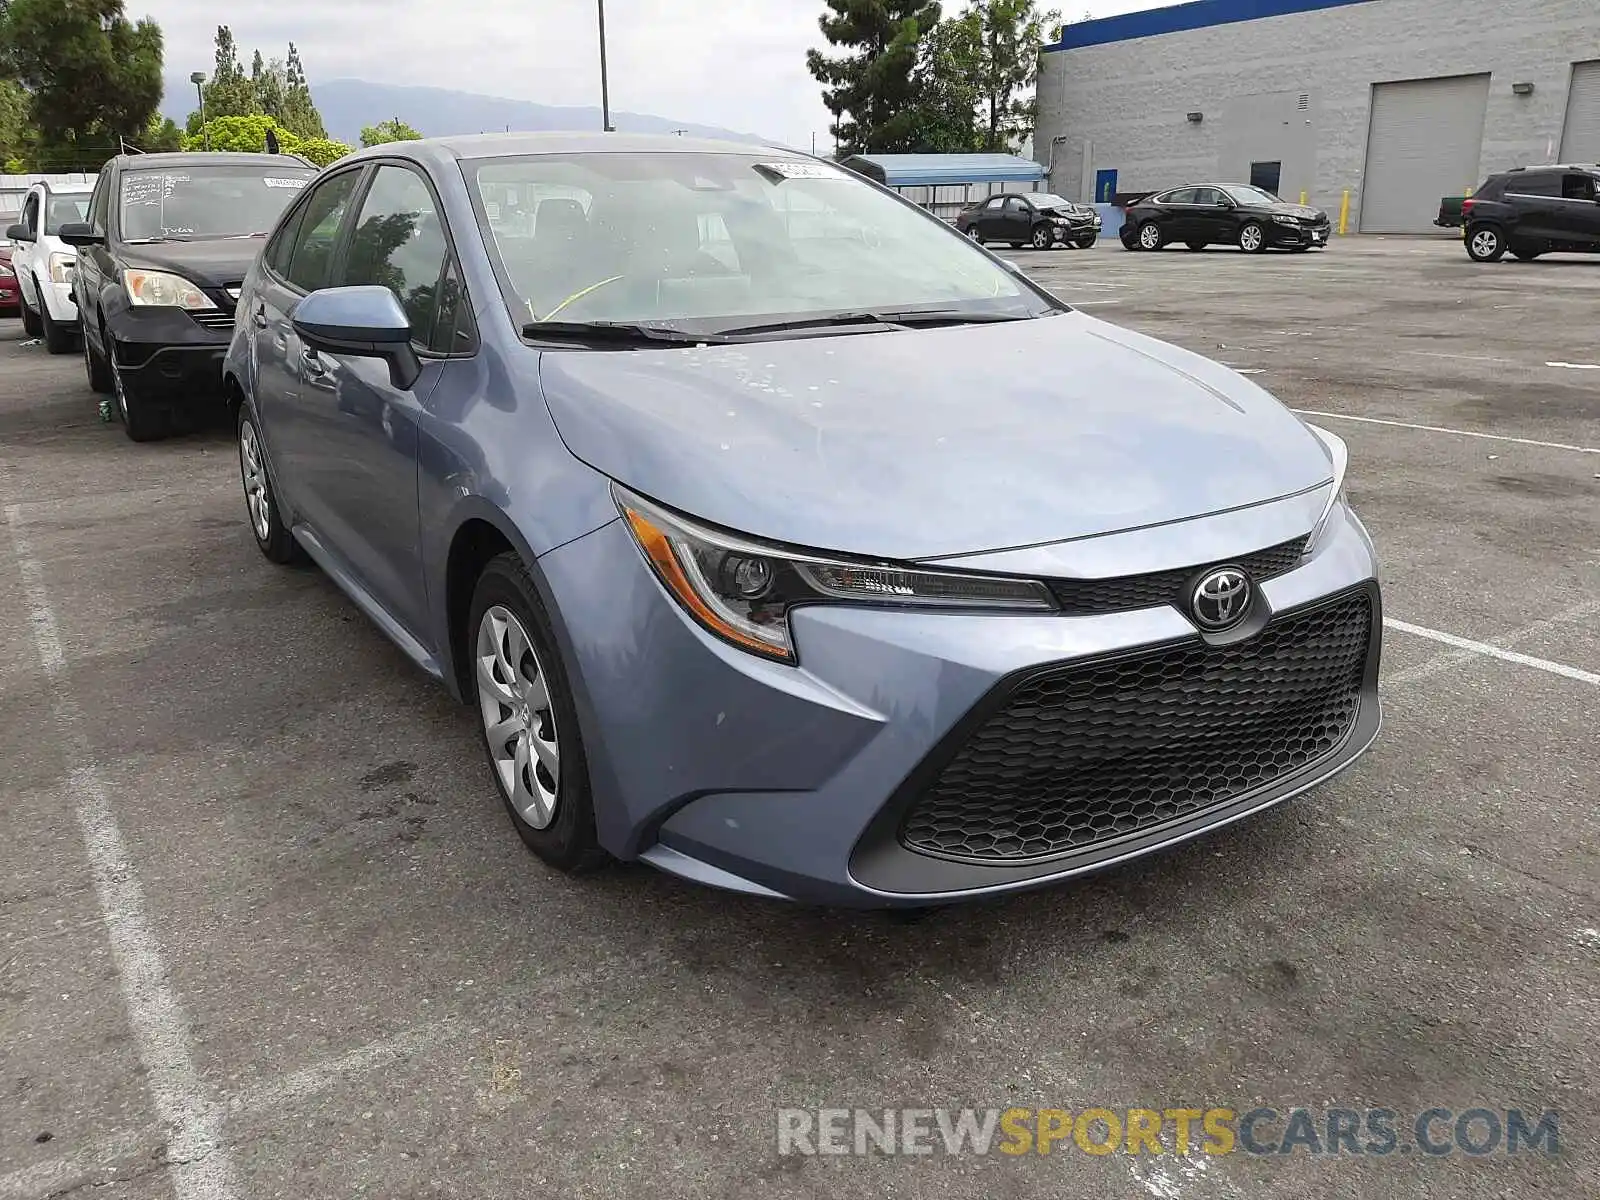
pixel 314 240
pixel 1533 183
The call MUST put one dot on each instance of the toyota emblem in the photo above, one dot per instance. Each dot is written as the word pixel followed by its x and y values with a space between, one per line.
pixel 1221 598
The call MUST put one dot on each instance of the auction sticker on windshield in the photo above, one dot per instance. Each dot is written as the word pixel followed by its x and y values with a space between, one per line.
pixel 293 184
pixel 799 170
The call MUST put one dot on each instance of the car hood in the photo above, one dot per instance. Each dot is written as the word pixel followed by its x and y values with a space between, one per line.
pixel 1291 210
pixel 933 443
pixel 1061 210
pixel 210 262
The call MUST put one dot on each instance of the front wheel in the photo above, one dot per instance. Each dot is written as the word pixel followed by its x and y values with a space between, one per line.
pixel 142 420
pixel 1150 236
pixel 1042 237
pixel 272 538
pixel 974 234
pixel 1485 244
pixel 528 719
pixel 1252 238
pixel 58 338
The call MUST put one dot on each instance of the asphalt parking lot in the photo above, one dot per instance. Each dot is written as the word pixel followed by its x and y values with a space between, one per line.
pixel 266 932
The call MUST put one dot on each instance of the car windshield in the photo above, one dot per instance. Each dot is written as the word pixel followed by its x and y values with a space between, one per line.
pixel 207 201
pixel 64 209
pixel 1047 200
pixel 1251 195
pixel 720 239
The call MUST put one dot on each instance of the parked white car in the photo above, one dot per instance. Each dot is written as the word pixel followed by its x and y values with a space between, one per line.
pixel 44 263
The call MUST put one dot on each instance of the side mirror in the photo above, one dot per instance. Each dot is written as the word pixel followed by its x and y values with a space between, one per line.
pixel 18 233
pixel 80 233
pixel 366 322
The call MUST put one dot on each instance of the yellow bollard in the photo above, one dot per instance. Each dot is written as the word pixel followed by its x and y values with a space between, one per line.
pixel 1344 212
pixel 1302 197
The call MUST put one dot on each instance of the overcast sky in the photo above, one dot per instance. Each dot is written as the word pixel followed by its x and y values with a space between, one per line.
pixel 739 64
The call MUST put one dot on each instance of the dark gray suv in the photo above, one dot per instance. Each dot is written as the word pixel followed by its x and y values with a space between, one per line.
pixel 1532 211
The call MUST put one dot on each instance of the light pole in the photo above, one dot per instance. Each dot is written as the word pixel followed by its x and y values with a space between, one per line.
pixel 605 94
pixel 197 79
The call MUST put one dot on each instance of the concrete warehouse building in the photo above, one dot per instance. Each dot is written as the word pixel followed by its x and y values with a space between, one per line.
pixel 1401 102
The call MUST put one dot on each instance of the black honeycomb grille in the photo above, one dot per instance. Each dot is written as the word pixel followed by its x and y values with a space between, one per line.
pixel 1099 751
pixel 1081 596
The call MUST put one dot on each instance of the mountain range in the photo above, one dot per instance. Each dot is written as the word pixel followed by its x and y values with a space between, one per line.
pixel 349 104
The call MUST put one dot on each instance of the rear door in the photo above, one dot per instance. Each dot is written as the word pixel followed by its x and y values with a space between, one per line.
pixel 1535 197
pixel 1177 215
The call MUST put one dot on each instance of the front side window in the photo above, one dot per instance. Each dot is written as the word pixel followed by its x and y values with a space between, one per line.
pixel 399 243
pixel 1254 196
pixel 1180 196
pixel 30 214
pixel 311 255
pixel 734 237
pixel 98 202
pixel 206 201
pixel 1578 187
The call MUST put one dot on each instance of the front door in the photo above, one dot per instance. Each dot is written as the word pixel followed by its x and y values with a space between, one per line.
pixel 360 430
pixel 1213 216
pixel 1017 220
pixel 297 261
pixel 1578 215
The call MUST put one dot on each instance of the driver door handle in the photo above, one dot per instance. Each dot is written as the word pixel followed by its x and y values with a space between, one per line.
pixel 259 316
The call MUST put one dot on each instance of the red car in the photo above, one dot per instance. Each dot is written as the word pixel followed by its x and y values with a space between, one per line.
pixel 10 297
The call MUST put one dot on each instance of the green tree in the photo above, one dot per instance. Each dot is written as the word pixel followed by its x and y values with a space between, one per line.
pixel 267 80
pixel 871 89
pixel 947 88
pixel 229 93
pixel 16 126
pixel 246 134
pixel 299 111
pixel 162 133
pixel 92 77
pixel 322 151
pixel 392 130
pixel 1011 36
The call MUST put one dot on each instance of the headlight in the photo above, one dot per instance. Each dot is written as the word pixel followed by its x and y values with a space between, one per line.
pixel 163 290
pixel 1339 454
pixel 1283 220
pixel 742 590
pixel 61 267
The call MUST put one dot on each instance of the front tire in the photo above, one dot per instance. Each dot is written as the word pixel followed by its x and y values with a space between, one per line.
pixel 31 324
pixel 1485 244
pixel 58 338
pixel 528 720
pixel 1042 238
pixel 142 420
pixel 1151 237
pixel 974 234
pixel 95 368
pixel 1252 238
pixel 272 538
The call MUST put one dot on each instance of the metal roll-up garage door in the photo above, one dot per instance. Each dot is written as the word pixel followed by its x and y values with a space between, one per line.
pixel 1580 136
pixel 1423 142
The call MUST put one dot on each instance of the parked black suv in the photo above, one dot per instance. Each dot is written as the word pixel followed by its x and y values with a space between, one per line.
pixel 160 262
pixel 1534 210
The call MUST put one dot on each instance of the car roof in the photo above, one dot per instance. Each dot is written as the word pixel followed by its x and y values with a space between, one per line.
pixel 498 145
pixel 203 158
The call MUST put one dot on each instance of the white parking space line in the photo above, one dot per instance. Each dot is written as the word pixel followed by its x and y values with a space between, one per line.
pixel 1525 660
pixel 200 1164
pixel 97 1162
pixel 1452 658
pixel 1471 433
pixel 1575 366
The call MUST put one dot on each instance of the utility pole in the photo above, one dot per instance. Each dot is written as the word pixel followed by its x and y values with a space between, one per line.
pixel 197 79
pixel 605 93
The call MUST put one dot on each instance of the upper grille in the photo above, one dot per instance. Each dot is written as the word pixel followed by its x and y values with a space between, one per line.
pixel 1101 750
pixel 212 318
pixel 1080 596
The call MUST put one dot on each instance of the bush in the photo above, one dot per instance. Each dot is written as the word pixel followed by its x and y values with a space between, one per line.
pixel 321 151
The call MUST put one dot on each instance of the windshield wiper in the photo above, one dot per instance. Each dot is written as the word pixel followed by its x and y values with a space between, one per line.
pixel 891 318
pixel 616 333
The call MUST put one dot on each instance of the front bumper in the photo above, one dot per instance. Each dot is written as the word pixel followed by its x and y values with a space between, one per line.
pixel 57 298
pixel 166 354
pixel 794 781
pixel 1297 235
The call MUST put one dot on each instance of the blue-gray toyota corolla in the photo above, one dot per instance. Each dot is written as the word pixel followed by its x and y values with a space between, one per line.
pixel 781 537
